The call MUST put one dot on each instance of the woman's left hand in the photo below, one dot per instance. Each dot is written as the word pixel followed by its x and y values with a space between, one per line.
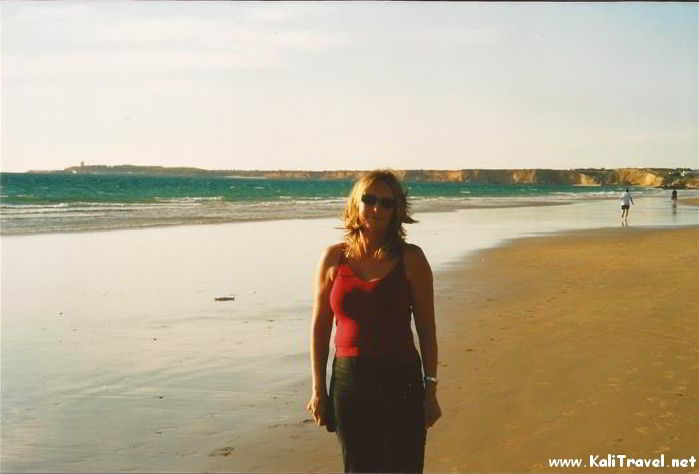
pixel 432 410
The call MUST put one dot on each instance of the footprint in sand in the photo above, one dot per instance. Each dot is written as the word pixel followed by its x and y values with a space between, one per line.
pixel 658 401
pixel 662 450
pixel 508 443
pixel 543 429
pixel 588 402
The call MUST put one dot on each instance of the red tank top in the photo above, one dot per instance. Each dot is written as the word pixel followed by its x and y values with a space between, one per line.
pixel 372 317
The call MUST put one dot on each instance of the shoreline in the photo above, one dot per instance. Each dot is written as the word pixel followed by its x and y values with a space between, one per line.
pixel 535 368
pixel 138 218
pixel 442 207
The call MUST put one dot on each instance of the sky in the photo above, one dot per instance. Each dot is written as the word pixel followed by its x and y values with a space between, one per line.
pixel 348 85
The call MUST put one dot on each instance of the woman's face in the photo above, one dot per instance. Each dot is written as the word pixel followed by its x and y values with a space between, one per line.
pixel 376 213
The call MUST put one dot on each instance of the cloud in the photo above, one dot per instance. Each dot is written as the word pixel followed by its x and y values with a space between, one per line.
pixel 175 44
pixel 212 34
pixel 86 41
pixel 46 11
pixel 273 14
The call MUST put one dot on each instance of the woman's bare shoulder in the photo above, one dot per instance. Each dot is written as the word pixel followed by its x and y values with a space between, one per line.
pixel 415 259
pixel 334 249
pixel 413 252
pixel 331 254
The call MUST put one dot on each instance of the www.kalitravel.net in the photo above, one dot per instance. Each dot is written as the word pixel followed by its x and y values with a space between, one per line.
pixel 622 460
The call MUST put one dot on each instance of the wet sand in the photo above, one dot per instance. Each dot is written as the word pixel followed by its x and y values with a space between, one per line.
pixel 566 346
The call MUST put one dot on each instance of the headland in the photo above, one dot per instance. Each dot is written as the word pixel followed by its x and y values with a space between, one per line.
pixel 651 177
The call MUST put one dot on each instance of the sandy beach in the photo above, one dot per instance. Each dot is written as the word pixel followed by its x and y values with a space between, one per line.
pixel 116 357
pixel 568 346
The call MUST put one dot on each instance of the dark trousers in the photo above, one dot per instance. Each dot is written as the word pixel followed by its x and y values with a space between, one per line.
pixel 378 414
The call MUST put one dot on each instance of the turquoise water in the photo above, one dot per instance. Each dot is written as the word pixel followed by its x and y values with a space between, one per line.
pixel 39 203
pixel 21 188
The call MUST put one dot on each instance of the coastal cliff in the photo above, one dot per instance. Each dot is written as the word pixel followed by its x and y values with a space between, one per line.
pixel 652 177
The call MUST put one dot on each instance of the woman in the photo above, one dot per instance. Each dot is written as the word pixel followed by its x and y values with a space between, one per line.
pixel 379 403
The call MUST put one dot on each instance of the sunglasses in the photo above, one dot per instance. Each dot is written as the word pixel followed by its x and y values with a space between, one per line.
pixel 371 200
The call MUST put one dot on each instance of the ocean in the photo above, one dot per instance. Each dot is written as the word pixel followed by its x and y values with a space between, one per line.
pixel 41 203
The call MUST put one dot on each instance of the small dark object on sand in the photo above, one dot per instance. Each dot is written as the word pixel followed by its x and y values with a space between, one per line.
pixel 225 298
pixel 225 451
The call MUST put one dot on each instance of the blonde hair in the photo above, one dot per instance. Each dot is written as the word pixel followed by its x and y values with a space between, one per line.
pixel 395 234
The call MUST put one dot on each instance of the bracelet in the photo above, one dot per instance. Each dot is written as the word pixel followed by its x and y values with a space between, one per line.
pixel 431 379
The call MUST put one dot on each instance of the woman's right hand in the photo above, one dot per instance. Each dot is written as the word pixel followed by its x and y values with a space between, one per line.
pixel 318 408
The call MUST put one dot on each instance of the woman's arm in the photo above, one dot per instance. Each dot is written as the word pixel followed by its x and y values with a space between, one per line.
pixel 419 275
pixel 321 328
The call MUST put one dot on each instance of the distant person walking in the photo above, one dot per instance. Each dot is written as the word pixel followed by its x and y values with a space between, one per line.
pixel 626 201
pixel 674 196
